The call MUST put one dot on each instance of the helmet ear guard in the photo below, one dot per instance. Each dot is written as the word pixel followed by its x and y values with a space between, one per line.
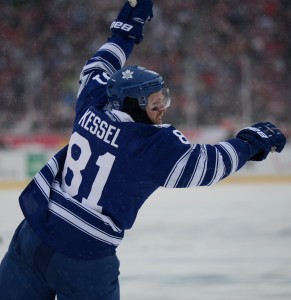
pixel 134 82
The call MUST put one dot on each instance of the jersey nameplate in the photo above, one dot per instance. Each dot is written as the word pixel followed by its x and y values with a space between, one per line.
pixel 100 128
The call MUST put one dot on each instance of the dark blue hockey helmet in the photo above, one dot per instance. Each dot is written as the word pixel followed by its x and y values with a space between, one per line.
pixel 135 82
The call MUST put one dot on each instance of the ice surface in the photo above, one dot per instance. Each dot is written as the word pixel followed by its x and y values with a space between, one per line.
pixel 216 243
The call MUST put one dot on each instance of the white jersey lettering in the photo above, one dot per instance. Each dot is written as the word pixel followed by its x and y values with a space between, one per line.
pixel 100 128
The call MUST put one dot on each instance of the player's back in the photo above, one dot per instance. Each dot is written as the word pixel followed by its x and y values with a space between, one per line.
pixel 112 164
pixel 93 188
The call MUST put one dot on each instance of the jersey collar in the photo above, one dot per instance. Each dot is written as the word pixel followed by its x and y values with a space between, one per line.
pixel 121 116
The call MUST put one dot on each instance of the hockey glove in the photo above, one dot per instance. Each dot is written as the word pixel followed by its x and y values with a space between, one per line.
pixel 265 136
pixel 131 19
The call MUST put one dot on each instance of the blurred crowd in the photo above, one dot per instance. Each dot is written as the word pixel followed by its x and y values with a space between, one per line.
pixel 226 62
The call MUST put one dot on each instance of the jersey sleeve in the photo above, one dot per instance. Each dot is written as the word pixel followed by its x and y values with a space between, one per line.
pixel 93 79
pixel 205 165
pixel 179 164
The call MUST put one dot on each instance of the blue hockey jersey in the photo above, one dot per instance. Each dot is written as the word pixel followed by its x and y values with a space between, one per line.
pixel 81 202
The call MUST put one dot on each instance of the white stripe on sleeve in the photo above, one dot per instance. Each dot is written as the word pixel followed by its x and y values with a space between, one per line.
pixel 219 169
pixel 115 50
pixel 178 169
pixel 232 155
pixel 200 168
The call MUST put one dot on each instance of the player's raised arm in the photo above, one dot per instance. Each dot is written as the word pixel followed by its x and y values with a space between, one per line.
pixel 127 30
pixel 204 164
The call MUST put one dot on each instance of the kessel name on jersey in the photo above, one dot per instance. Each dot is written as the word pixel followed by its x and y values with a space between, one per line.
pixel 100 128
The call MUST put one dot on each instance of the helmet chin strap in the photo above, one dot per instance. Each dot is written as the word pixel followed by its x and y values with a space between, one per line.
pixel 132 108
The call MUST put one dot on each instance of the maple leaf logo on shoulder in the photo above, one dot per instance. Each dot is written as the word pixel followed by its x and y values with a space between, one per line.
pixel 127 74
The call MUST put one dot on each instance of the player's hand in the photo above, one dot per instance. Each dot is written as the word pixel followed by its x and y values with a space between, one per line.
pixel 131 19
pixel 265 136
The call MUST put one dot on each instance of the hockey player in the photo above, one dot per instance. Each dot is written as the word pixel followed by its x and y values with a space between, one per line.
pixel 79 205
